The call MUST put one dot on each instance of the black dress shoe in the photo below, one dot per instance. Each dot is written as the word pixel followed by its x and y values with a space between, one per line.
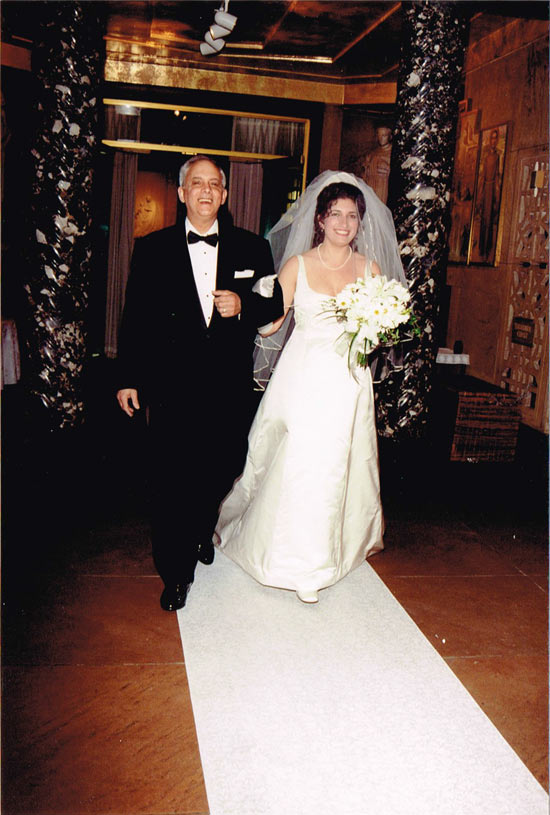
pixel 206 553
pixel 174 597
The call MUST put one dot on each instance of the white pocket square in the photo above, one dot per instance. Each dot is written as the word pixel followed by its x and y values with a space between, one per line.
pixel 244 273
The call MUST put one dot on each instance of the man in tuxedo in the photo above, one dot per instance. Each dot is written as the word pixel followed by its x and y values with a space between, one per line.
pixel 197 293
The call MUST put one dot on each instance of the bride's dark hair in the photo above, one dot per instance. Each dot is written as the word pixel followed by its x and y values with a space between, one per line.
pixel 327 197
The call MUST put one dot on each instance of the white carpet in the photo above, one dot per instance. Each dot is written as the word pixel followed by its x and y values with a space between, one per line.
pixel 340 708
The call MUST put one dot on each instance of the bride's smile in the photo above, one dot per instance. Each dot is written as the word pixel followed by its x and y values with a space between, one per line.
pixel 341 223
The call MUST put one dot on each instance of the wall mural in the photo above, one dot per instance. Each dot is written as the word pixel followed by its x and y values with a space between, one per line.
pixel 156 202
pixel 488 193
pixel 464 179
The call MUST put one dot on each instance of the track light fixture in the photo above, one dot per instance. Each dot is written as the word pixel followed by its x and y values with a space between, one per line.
pixel 214 37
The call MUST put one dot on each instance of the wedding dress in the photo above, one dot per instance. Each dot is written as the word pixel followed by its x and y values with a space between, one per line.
pixel 307 510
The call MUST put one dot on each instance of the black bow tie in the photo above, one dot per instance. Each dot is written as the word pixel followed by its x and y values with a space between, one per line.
pixel 211 240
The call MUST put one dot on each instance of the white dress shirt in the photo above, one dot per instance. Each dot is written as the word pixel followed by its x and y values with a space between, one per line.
pixel 204 260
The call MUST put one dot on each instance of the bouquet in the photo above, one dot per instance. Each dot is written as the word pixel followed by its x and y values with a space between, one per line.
pixel 374 311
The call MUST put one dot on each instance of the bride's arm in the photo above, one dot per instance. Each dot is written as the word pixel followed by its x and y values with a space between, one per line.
pixel 287 279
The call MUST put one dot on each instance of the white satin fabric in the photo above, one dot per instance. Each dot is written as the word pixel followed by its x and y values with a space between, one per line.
pixel 306 510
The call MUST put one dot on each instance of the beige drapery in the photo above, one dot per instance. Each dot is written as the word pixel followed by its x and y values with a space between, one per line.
pixel 252 135
pixel 125 125
pixel 245 195
pixel 267 136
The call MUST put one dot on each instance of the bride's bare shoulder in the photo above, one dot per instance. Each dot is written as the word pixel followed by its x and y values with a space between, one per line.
pixel 311 253
pixel 290 269
pixel 311 259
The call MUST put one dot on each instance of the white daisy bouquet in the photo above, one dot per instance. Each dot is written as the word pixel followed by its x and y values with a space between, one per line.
pixel 374 311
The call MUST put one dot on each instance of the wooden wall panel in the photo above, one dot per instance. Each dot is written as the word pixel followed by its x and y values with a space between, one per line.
pixel 507 80
pixel 331 138
pixel 476 308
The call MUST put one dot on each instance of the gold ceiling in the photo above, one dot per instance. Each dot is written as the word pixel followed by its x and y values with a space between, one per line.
pixel 334 51
pixel 331 41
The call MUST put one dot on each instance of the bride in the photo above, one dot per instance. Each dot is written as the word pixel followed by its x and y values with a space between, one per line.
pixel 307 510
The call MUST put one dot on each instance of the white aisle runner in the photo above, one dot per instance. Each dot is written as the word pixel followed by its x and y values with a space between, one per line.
pixel 339 708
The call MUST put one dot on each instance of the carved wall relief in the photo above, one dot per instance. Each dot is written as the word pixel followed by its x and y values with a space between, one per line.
pixel 525 347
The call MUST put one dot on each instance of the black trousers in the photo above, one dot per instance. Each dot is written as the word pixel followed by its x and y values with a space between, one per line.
pixel 195 456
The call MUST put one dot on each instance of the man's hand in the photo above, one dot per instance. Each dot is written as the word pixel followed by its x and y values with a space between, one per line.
pixel 128 400
pixel 227 302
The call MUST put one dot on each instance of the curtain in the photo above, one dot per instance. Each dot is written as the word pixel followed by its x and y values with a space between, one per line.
pixel 252 135
pixel 267 136
pixel 120 125
pixel 121 242
pixel 245 195
pixel 290 140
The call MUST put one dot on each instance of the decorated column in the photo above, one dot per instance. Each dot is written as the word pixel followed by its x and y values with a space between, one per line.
pixel 429 89
pixel 67 64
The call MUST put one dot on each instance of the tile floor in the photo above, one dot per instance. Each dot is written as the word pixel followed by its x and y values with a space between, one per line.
pixel 97 718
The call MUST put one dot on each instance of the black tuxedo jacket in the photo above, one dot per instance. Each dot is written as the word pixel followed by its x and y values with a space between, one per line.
pixel 166 351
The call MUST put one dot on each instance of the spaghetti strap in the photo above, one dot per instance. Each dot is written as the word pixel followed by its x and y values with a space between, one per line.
pixel 301 280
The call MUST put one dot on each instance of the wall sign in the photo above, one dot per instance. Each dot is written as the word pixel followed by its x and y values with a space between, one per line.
pixel 523 331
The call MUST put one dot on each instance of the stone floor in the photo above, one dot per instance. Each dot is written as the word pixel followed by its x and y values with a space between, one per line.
pixel 97 718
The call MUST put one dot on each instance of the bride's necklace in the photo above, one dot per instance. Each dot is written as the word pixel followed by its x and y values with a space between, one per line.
pixel 333 268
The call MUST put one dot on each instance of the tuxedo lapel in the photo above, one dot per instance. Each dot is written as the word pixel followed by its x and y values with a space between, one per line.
pixel 224 273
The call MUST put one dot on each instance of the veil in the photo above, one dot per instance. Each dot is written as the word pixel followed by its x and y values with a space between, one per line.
pixel 293 235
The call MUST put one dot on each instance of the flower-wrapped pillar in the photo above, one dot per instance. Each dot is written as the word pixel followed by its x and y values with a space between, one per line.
pixel 429 89
pixel 67 63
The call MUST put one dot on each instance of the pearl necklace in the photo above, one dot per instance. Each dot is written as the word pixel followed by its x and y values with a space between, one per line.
pixel 333 268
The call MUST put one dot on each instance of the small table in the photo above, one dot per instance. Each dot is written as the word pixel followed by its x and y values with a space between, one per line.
pixel 454 363
pixel 446 357
pixel 485 420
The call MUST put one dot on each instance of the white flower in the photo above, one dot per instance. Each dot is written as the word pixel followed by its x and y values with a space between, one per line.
pixel 371 311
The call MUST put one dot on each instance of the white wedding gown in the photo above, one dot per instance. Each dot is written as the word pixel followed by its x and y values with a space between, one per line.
pixel 306 510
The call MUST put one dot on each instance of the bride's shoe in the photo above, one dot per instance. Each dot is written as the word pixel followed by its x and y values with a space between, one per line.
pixel 308 596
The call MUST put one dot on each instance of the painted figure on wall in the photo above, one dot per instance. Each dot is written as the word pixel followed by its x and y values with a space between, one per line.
pixel 464 179
pixel 377 164
pixel 488 196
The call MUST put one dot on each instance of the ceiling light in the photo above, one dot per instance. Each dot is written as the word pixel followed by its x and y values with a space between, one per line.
pixel 214 37
pixel 211 46
pixel 217 31
pixel 225 20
